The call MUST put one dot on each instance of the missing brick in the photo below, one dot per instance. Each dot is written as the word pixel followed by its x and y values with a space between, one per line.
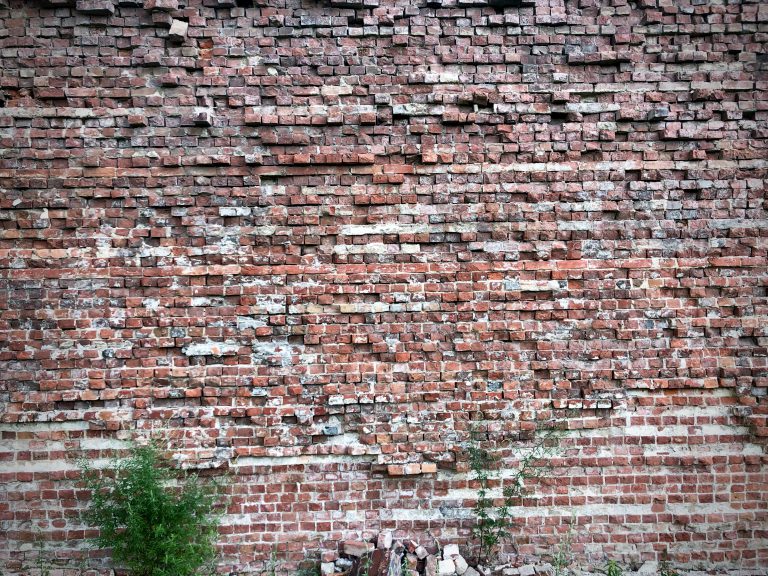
pixel 501 5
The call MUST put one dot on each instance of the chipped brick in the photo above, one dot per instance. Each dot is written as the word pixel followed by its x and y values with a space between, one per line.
pixel 316 244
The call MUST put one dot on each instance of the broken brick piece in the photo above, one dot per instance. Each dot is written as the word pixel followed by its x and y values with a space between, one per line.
pixel 178 31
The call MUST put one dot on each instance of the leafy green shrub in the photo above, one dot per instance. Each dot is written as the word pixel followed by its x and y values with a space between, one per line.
pixel 613 569
pixel 492 522
pixel 158 522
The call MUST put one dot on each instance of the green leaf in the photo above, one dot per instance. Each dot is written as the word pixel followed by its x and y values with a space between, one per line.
pixel 152 528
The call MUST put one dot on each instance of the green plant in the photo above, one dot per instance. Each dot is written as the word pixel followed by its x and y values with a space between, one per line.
pixel 404 567
pixel 563 556
pixel 158 522
pixel 41 563
pixel 365 567
pixel 309 566
pixel 309 570
pixel 492 522
pixel 665 568
pixel 41 566
pixel 612 569
pixel 272 565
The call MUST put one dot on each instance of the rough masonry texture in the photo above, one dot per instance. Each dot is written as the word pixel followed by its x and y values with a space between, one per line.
pixel 318 242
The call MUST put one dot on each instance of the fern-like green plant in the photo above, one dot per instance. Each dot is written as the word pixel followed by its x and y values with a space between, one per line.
pixel 42 564
pixel 492 522
pixel 156 521
pixel 563 556
pixel 613 569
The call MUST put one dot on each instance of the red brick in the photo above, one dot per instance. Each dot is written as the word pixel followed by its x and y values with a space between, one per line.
pixel 334 237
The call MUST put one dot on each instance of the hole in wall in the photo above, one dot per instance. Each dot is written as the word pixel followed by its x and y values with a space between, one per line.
pixel 558 117
pixel 592 156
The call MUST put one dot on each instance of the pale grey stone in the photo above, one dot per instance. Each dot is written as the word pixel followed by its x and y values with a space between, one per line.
pixel 178 31
pixel 649 568
pixel 384 541
pixel 446 567
pixel 450 550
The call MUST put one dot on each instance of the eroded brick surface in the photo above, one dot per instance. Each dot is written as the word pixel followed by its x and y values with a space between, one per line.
pixel 317 242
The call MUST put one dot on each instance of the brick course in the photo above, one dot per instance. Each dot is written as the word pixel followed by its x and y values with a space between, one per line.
pixel 316 242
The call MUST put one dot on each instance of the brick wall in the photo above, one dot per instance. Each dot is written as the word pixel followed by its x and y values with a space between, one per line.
pixel 318 241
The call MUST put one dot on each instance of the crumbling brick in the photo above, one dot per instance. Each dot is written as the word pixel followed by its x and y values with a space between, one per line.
pixel 319 244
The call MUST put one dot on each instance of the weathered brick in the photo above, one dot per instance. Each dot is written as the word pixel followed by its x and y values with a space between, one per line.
pixel 96 7
pixel 161 5
pixel 320 243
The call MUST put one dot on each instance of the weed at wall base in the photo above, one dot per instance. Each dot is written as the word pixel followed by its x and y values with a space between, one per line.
pixel 156 522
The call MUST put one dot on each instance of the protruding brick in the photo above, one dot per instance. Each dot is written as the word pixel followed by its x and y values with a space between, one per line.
pixel 178 31
pixel 450 550
pixel 357 548
pixel 137 120
pixel 161 5
pixel 96 7
pixel 203 117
